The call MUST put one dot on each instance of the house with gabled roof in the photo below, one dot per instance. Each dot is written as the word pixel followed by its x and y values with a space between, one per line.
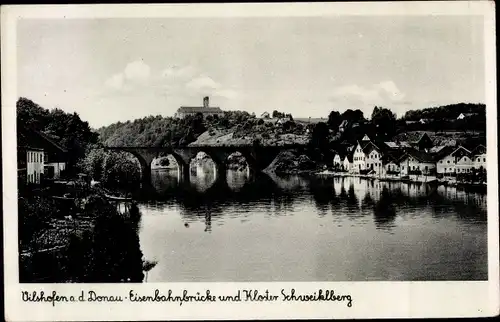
pixel 347 163
pixel 359 157
pixel 337 159
pixel 416 162
pixel 39 156
pixel 445 162
pixel 479 157
pixel 462 116
pixel 373 158
pixel 463 160
pixel 390 163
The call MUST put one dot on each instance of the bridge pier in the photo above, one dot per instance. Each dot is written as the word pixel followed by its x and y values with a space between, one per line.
pixel 183 172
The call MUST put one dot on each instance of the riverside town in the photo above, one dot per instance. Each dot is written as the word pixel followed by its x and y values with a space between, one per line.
pixel 82 190
pixel 339 157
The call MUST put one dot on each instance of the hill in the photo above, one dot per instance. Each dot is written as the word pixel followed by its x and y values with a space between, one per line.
pixel 451 111
pixel 233 128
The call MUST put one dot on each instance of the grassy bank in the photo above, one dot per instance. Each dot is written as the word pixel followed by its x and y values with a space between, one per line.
pixel 90 242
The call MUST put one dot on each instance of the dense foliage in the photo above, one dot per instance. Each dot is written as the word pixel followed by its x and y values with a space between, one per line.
pixel 451 111
pixel 113 169
pixel 105 252
pixel 66 129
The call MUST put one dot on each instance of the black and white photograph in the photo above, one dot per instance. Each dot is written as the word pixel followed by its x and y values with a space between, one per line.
pixel 244 149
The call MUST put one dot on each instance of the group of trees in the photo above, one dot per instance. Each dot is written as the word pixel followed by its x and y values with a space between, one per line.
pixel 445 112
pixel 115 170
pixel 277 114
pixel 66 129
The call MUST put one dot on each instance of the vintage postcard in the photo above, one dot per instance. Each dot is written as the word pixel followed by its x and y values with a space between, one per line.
pixel 250 161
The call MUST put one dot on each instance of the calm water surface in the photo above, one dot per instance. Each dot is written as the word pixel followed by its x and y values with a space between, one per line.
pixel 267 228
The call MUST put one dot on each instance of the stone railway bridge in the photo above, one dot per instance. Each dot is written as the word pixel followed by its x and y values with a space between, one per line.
pixel 258 157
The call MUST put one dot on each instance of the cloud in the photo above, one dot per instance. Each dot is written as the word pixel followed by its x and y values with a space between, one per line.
pixel 203 84
pixel 178 72
pixel 134 74
pixel 391 90
pixel 226 93
pixel 137 71
pixel 115 81
pixel 385 94
pixel 377 94
pixel 176 82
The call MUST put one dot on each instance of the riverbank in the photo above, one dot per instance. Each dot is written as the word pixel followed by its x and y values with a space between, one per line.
pixel 85 238
pixel 411 178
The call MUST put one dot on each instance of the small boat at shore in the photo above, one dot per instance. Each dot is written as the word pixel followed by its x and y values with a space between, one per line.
pixel 115 198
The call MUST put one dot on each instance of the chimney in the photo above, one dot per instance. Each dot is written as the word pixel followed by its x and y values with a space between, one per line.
pixel 205 101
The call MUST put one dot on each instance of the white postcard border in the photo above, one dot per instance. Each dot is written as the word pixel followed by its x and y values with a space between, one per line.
pixel 370 299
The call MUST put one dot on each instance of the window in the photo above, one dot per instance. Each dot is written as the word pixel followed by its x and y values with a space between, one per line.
pixel 402 167
pixel 448 161
pixel 484 159
pixel 426 168
pixel 441 161
pixel 478 159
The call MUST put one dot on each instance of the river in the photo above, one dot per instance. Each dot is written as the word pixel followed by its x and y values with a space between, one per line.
pixel 261 228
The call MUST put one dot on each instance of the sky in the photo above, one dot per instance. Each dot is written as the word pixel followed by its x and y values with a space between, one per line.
pixel 119 69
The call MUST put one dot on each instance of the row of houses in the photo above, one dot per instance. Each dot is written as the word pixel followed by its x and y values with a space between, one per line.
pixel 406 158
pixel 38 156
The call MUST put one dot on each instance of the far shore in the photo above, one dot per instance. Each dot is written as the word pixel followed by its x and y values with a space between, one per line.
pixel 411 178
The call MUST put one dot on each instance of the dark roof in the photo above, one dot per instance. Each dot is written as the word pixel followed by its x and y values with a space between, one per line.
pixel 445 151
pixel 199 109
pixel 419 155
pixel 350 156
pixel 32 138
pixel 468 152
pixel 422 137
pixel 393 155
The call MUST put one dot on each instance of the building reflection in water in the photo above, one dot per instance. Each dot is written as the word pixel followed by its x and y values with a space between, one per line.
pixel 207 197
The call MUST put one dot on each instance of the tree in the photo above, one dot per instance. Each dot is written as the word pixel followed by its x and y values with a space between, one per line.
pixel 319 143
pixel 384 120
pixel 353 116
pixel 277 114
pixel 334 120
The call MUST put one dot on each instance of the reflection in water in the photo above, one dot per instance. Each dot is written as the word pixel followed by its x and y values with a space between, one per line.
pixel 384 211
pixel 262 227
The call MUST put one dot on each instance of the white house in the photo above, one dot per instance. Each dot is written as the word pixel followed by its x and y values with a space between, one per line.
pixel 391 167
pixel 479 157
pixel 34 164
pixel 391 164
pixel 463 160
pixel 265 115
pixel 347 162
pixel 39 155
pixel 445 161
pixel 359 159
pixel 465 115
pixel 416 162
pixel 337 160
pixel 373 158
